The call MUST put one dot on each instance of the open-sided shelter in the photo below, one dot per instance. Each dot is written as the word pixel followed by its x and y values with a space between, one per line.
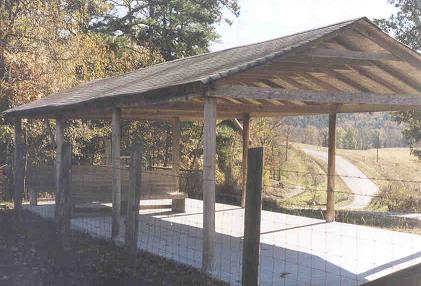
pixel 346 67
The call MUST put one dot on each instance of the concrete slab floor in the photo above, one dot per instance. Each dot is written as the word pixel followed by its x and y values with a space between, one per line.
pixel 294 250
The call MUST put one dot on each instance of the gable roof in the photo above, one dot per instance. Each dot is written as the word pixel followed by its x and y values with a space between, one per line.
pixel 202 68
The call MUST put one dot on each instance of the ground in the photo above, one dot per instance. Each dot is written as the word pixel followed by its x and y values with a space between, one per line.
pixel 28 257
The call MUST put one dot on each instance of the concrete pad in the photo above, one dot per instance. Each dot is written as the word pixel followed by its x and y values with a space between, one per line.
pixel 294 250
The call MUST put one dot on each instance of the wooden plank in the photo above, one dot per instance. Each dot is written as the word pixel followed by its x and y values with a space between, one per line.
pixel 253 208
pixel 400 76
pixel 116 173
pixel 320 97
pixel 331 170
pixel 19 175
pixel 374 77
pixel 246 140
pixel 389 44
pixel 318 81
pixel 383 66
pixel 350 55
pixel 209 164
pixel 352 83
pixel 178 205
pixel 135 187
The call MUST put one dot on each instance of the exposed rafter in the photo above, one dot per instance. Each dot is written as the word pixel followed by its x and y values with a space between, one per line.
pixel 350 55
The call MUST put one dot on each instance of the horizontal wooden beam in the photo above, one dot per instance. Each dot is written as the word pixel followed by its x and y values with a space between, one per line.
pixel 318 97
pixel 350 55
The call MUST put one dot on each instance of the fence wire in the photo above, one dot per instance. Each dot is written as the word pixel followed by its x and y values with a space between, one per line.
pixel 297 246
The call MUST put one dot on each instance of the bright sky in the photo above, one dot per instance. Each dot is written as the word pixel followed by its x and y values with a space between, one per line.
pixel 267 19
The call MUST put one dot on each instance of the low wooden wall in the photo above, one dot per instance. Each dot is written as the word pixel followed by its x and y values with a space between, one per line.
pixel 93 183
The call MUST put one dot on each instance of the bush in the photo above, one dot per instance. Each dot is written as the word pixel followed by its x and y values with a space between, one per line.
pixel 399 197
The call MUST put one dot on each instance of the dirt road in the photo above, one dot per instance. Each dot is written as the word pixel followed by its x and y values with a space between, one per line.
pixel 362 187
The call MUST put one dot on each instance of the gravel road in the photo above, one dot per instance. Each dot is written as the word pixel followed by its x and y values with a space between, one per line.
pixel 362 187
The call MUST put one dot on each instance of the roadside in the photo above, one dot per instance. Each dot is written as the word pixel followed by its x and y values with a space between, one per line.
pixel 362 188
pixel 28 257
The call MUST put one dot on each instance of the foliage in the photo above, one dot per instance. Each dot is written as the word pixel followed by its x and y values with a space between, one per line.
pixel 354 131
pixel 399 197
pixel 175 28
pixel 49 46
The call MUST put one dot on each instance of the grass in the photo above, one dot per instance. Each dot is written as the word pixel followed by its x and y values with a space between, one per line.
pixel 30 256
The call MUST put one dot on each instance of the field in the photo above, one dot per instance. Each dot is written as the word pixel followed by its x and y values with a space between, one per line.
pixel 395 171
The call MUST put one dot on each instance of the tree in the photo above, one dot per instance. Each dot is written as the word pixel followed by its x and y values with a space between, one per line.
pixel 405 25
pixel 174 28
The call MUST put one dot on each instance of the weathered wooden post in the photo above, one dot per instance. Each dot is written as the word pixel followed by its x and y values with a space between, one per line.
pixel 116 173
pixel 64 204
pixel 133 210
pixel 178 205
pixel 253 208
pixel 59 149
pixel 19 167
pixel 331 170
pixel 209 161
pixel 246 139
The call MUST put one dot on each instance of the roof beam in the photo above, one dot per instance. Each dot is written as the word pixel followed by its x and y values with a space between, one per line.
pixel 350 55
pixel 318 81
pixel 374 77
pixel 400 76
pixel 348 81
pixel 389 44
pixel 318 97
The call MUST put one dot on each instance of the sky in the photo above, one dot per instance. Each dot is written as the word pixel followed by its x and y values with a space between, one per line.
pixel 261 20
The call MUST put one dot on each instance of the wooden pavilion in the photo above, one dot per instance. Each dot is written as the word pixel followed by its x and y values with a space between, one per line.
pixel 347 67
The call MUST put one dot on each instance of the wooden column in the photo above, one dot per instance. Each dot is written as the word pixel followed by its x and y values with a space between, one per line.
pixel 331 170
pixel 116 173
pixel 19 167
pixel 59 149
pixel 253 209
pixel 246 139
pixel 178 205
pixel 209 161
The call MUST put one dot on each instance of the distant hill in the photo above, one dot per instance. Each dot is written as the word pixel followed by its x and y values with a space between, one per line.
pixel 355 130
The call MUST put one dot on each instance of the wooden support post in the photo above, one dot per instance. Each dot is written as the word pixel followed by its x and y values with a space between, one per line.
pixel 253 208
pixel 246 139
pixel 209 161
pixel 64 203
pixel 116 173
pixel 59 148
pixel 178 205
pixel 135 187
pixel 19 167
pixel 331 170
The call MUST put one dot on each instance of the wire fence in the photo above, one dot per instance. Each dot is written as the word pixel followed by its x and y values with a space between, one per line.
pixel 296 246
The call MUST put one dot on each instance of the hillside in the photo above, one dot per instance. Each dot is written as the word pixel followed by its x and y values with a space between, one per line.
pixel 354 130
pixel 397 173
pixel 302 182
